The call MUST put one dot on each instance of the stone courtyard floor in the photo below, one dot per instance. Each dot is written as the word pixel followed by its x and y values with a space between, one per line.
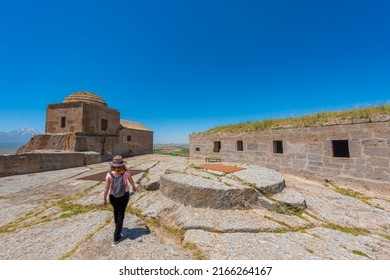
pixel 59 215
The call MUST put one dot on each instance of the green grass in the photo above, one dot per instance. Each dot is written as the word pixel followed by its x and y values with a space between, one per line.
pixel 350 230
pixel 15 225
pixel 183 152
pixel 310 250
pixel 67 206
pixel 71 209
pixel 194 249
pixel 287 209
pixel 351 193
pixel 278 222
pixel 360 253
pixel 304 121
pixel 384 235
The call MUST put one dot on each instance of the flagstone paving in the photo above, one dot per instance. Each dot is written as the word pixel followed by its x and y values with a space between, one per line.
pixel 59 215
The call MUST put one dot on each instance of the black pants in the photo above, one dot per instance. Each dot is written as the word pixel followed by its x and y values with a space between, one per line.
pixel 119 204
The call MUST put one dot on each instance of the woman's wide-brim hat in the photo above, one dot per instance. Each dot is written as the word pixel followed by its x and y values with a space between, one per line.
pixel 117 161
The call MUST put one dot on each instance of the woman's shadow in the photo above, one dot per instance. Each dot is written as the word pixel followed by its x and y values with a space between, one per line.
pixel 134 233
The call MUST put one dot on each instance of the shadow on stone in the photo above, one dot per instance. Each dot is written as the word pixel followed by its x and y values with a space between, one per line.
pixel 134 233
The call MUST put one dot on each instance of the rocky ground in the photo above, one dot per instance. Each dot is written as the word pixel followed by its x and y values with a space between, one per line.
pixel 59 215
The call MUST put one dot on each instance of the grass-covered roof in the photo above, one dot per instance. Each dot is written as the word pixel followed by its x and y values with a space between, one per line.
pixel 318 119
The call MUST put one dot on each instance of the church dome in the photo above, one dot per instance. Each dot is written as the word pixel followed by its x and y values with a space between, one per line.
pixel 87 97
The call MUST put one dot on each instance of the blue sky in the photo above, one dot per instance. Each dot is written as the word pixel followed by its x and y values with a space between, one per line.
pixel 181 67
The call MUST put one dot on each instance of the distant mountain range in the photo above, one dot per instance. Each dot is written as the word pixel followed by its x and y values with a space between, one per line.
pixel 18 136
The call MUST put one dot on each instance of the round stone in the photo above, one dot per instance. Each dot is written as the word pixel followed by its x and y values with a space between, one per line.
pixel 206 193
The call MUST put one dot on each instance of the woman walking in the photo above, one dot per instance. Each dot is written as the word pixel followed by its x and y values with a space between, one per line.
pixel 117 186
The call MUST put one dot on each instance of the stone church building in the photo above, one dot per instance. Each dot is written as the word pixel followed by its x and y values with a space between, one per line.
pixel 84 122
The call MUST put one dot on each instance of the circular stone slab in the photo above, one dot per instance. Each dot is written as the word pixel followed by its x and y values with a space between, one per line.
pixel 206 193
pixel 267 181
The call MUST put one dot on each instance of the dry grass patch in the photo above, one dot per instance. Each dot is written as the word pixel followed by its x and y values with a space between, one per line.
pixel 318 119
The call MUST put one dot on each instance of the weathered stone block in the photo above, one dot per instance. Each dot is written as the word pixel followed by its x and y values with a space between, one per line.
pixel 377 152
pixel 268 203
pixel 205 193
pixel 291 198
pixel 379 161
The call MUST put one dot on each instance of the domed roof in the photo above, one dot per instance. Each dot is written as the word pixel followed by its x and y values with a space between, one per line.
pixel 86 96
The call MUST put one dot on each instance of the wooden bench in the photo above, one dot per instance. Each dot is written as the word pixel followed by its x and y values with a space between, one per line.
pixel 213 159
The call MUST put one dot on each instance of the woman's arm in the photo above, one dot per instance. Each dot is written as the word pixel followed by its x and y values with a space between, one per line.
pixel 131 181
pixel 106 188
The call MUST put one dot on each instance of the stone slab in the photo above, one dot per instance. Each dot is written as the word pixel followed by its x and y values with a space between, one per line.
pixel 52 240
pixel 156 206
pixel 139 243
pixel 267 181
pixel 291 198
pixel 153 204
pixel 12 185
pixel 335 208
pixel 330 244
pixel 10 211
pixel 204 193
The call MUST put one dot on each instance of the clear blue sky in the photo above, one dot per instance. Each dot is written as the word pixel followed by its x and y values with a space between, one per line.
pixel 186 66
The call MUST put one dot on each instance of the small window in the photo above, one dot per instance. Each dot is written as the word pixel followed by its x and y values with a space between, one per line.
pixel 240 145
pixel 104 124
pixel 128 138
pixel 63 121
pixel 278 147
pixel 340 148
pixel 197 149
pixel 217 146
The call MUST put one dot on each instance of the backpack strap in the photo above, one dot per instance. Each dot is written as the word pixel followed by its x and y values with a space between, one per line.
pixel 113 176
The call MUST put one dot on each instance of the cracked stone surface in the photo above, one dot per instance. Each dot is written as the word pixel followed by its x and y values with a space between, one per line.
pixel 289 246
pixel 50 240
pixel 55 215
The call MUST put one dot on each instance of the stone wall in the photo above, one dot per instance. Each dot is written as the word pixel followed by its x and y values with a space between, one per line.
pixel 72 112
pixel 44 161
pixel 135 142
pixel 93 116
pixel 81 117
pixel 356 154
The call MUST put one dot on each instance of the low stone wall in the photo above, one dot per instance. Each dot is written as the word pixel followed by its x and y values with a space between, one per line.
pixel 356 154
pixel 44 161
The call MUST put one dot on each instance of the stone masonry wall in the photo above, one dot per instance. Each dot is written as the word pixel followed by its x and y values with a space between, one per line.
pixel 135 142
pixel 44 161
pixel 104 145
pixel 310 151
pixel 81 117
pixel 92 120
pixel 73 113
